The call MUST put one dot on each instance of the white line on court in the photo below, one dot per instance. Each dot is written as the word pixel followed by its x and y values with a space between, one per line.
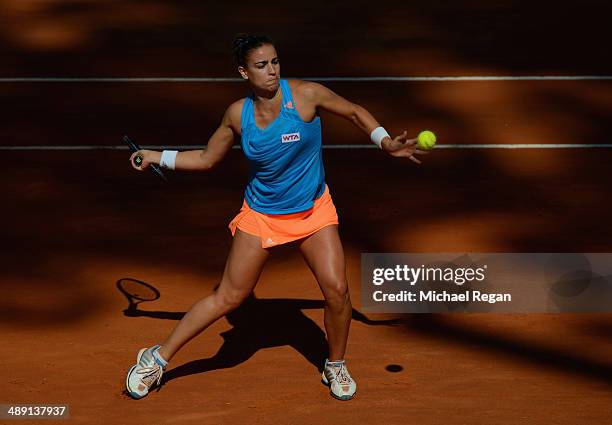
pixel 332 147
pixel 323 79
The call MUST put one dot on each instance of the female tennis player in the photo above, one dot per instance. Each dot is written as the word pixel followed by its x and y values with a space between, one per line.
pixel 286 199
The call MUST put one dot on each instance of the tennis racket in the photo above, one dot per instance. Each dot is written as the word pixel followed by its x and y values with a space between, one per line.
pixel 138 159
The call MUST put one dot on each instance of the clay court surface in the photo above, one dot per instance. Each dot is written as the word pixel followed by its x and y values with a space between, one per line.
pixel 77 222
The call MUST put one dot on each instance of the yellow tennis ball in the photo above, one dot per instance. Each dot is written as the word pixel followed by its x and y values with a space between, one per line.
pixel 426 140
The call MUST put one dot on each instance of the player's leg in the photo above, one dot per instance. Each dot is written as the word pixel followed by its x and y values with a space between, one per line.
pixel 324 254
pixel 242 270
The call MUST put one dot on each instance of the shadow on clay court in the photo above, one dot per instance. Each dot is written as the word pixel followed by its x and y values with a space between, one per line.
pixel 443 327
pixel 256 326
pixel 599 328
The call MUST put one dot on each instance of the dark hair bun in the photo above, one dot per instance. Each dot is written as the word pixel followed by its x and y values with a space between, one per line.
pixel 240 40
pixel 244 43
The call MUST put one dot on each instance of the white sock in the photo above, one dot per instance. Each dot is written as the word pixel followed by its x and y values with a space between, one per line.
pixel 159 359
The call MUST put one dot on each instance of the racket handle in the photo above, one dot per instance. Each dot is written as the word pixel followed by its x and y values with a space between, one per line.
pixel 138 160
pixel 156 169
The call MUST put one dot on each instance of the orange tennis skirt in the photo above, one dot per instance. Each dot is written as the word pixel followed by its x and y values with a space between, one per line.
pixel 277 229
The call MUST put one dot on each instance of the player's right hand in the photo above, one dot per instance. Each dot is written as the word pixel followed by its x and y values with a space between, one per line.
pixel 147 158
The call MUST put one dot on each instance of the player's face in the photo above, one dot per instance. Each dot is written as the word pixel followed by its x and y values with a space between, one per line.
pixel 262 68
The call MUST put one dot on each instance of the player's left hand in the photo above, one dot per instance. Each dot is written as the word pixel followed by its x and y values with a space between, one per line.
pixel 402 146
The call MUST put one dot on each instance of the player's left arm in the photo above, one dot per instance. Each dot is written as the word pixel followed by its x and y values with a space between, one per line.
pixel 326 99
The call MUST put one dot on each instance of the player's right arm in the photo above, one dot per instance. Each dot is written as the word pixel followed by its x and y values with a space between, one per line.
pixel 205 159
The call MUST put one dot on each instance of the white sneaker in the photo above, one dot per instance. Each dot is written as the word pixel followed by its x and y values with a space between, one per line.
pixel 336 376
pixel 145 374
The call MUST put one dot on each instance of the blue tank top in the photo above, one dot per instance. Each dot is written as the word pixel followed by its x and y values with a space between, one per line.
pixel 286 159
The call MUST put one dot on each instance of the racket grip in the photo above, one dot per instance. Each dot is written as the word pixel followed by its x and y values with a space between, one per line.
pixel 138 160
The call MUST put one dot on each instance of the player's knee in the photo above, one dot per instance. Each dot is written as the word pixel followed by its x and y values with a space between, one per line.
pixel 229 300
pixel 336 292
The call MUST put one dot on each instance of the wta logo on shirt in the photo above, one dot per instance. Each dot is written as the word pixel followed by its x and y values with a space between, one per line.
pixel 291 137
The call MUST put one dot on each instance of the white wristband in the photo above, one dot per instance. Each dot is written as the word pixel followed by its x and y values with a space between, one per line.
pixel 168 159
pixel 377 136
